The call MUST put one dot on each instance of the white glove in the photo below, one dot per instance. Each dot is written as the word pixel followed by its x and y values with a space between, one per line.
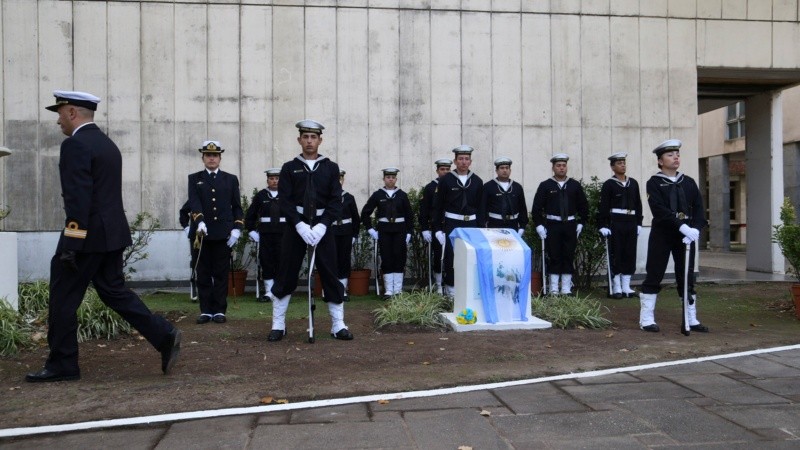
pixel 687 240
pixel 605 232
pixel 579 228
pixel 542 231
pixel 440 237
pixel 372 232
pixel 638 230
pixel 235 233
pixel 319 230
pixel 692 233
pixel 426 234
pixel 408 238
pixel 254 236
pixel 305 232
pixel 186 231
pixel 201 228
pixel 353 242
pixel 521 231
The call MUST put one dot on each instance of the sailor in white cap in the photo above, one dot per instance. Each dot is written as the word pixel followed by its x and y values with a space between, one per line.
pixel 455 205
pixel 559 210
pixel 503 200
pixel 266 225
pixel 619 218
pixel 311 200
pixel 345 232
pixel 216 210
pixel 91 244
pixel 678 217
pixel 392 227
pixel 425 210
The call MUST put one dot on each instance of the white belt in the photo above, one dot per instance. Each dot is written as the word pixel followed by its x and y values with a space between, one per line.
pixel 343 222
pixel 627 212
pixel 395 220
pixel 319 211
pixel 503 217
pixel 464 217
pixel 269 219
pixel 558 218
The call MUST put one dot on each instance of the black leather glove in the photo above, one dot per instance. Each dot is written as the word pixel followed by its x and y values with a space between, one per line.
pixel 68 260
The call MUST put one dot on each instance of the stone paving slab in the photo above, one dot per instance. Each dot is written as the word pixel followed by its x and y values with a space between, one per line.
pixel 785 387
pixel 762 416
pixel 326 436
pixel 450 429
pixel 538 398
pixel 703 367
pixel 146 438
pixel 616 443
pixel 219 433
pixel 477 399
pixel 788 357
pixel 341 413
pixel 725 389
pixel 607 379
pixel 628 391
pixel 526 430
pixel 760 367
pixel 687 423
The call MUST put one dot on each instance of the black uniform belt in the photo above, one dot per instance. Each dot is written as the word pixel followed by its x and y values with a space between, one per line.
pixel 391 220
pixel 627 212
pixel 464 217
pixel 503 216
pixel 558 218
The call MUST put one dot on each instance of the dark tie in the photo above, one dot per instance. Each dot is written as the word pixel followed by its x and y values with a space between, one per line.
pixel 274 211
pixel 310 198
pixel 213 175
pixel 563 203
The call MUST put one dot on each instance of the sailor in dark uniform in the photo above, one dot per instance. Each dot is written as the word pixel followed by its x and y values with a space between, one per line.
pixel 91 244
pixel 217 210
pixel 678 217
pixel 559 210
pixel 392 229
pixel 185 219
pixel 619 218
pixel 345 231
pixel 425 212
pixel 265 225
pixel 311 200
pixel 455 205
pixel 503 201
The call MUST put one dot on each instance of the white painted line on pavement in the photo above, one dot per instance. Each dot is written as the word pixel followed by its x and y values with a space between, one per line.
pixel 130 421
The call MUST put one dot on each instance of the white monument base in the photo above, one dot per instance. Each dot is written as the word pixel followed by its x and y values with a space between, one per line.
pixel 468 291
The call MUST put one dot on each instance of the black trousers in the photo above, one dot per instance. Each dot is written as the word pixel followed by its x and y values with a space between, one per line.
pixel 562 239
pixel 192 260
pixel 293 251
pixel 662 243
pixel 344 249
pixel 393 252
pixel 436 256
pixel 269 248
pixel 212 276
pixel 67 289
pixel 622 247
pixel 448 277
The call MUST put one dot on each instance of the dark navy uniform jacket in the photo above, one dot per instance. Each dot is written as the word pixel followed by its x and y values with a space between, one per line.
pixel 508 203
pixel 675 203
pixel 621 196
pixel 396 210
pixel 216 202
pixel 426 204
pixel 265 205
pixel 550 196
pixel 325 193
pixel 349 211
pixel 90 166
pixel 456 198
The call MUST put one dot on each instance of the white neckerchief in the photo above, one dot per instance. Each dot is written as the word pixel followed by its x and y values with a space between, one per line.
pixel 621 183
pixel 272 193
pixel 463 178
pixel 390 192
pixel 503 184
pixel 79 127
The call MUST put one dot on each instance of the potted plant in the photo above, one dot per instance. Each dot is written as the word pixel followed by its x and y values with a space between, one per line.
pixel 242 255
pixel 787 236
pixel 358 283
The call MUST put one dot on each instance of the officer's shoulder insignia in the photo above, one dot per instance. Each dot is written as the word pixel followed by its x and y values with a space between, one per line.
pixel 200 182
pixel 297 171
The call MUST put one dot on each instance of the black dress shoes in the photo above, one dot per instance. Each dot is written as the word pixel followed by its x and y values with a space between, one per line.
pixel 700 328
pixel 170 349
pixel 219 318
pixel 343 334
pixel 203 318
pixel 651 328
pixel 276 335
pixel 46 375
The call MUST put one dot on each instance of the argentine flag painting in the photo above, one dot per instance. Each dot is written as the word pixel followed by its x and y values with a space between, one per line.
pixel 503 272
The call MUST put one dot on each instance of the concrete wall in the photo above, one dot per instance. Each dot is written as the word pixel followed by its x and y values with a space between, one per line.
pixel 397 82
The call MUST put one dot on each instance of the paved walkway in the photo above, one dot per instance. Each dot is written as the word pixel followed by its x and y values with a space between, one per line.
pixel 748 400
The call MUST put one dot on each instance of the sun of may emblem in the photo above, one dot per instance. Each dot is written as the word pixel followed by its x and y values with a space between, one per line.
pixel 503 243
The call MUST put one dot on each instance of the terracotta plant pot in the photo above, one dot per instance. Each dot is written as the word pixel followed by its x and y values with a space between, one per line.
pixel 536 283
pixel 359 282
pixel 796 297
pixel 236 282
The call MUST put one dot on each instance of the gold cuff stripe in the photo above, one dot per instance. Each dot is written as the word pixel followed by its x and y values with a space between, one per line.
pixel 196 216
pixel 74 232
